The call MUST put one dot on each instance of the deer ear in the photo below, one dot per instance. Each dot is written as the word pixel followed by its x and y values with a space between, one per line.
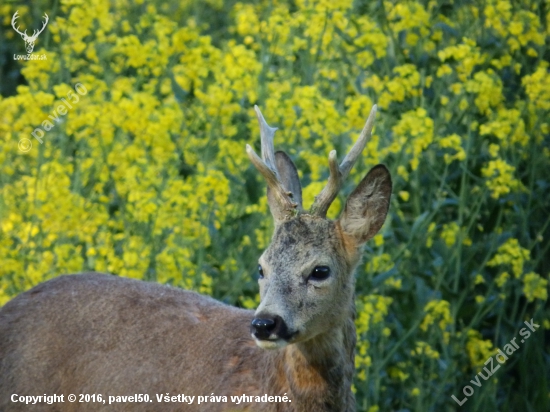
pixel 367 206
pixel 288 175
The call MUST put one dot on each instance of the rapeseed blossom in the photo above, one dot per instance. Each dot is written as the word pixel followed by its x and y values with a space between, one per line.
pixel 147 176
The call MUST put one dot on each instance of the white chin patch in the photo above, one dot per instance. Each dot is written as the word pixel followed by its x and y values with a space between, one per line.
pixel 271 344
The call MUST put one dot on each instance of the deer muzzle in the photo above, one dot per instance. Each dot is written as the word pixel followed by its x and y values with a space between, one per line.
pixel 270 331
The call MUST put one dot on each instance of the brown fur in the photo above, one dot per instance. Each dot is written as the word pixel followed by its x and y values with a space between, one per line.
pixel 136 337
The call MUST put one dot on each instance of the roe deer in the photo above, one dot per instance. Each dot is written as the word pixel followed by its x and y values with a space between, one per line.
pixel 102 334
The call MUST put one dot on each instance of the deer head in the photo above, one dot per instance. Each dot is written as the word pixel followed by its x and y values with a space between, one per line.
pixel 306 273
pixel 29 40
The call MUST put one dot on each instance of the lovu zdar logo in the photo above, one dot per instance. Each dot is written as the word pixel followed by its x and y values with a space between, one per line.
pixel 29 40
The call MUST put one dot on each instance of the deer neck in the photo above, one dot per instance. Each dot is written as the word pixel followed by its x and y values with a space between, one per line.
pixel 317 374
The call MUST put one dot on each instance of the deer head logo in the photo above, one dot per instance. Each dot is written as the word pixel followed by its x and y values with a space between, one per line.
pixel 29 40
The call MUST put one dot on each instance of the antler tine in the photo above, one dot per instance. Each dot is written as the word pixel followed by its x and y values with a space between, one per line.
pixel 13 19
pixel 44 24
pixel 355 152
pixel 262 167
pixel 267 134
pixel 283 205
pixel 265 165
pixel 37 32
pixel 339 173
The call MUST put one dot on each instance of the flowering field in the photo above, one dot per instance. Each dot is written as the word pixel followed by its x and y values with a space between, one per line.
pixel 146 176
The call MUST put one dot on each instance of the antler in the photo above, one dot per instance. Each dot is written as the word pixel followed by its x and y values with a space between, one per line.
pixel 35 34
pixel 280 199
pixel 339 173
pixel 15 16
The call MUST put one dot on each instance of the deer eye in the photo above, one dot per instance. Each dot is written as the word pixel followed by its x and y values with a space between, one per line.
pixel 260 271
pixel 319 273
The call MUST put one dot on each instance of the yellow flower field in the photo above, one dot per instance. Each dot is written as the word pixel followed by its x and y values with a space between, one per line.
pixel 146 174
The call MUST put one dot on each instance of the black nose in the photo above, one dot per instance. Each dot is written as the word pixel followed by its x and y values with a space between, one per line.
pixel 262 328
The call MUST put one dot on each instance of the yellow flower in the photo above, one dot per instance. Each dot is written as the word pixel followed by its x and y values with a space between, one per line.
pixel 437 310
pixel 397 372
pixel 488 90
pixel 418 126
pixel 379 263
pixel 453 142
pixel 500 180
pixel 510 253
pixel 537 87
pixel 423 348
pixel 507 126
pixel 467 55
pixel 479 350
pixel 397 89
pixel 247 21
pixel 502 278
pixel 394 283
pixel 443 70
pixel 535 287
pixel 378 239
pixel 493 149
pixel 449 233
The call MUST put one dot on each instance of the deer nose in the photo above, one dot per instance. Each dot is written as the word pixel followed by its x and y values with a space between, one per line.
pixel 262 328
